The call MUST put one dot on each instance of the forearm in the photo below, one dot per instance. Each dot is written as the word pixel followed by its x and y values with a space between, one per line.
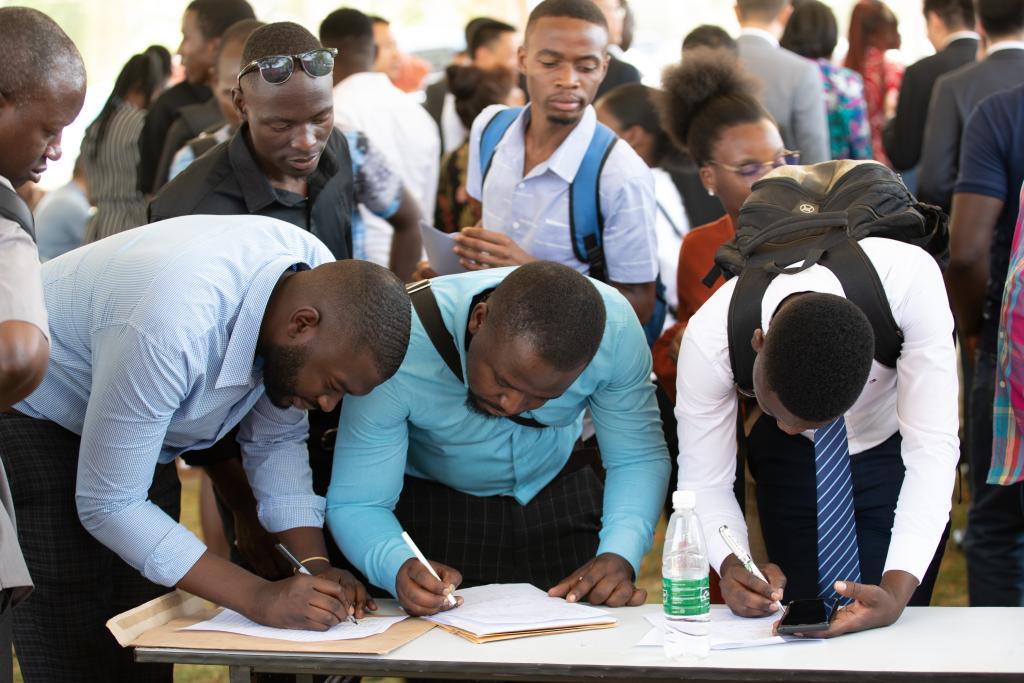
pixel 24 354
pixel 900 585
pixel 304 543
pixel 405 253
pixel 223 583
pixel 641 297
pixel 965 282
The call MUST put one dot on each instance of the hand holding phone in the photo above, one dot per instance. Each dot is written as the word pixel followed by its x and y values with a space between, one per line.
pixel 806 616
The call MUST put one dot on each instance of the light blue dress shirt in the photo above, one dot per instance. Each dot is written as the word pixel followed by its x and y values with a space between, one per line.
pixel 418 423
pixel 60 221
pixel 153 347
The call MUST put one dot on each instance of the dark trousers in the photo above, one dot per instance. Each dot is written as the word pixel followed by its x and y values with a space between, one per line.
pixel 994 543
pixel 59 631
pixel 783 467
pixel 6 661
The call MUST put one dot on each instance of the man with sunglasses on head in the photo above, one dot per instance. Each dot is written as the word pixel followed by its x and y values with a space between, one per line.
pixel 525 188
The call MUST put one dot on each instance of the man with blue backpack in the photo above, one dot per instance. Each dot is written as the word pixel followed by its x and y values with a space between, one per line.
pixel 553 182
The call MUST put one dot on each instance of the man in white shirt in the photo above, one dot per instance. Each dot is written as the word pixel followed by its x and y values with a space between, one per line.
pixel 901 425
pixel 396 125
pixel 791 91
pixel 526 208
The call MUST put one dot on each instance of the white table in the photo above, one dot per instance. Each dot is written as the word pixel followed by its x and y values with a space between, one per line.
pixel 927 644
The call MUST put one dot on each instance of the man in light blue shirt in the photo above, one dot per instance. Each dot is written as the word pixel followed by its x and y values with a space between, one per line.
pixel 163 339
pixel 480 469
pixel 61 216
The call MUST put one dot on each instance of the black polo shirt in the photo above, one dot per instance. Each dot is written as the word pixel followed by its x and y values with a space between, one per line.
pixel 227 180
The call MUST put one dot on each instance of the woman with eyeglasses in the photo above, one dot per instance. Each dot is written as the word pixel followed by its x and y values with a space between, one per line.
pixel 710 110
pixel 111 149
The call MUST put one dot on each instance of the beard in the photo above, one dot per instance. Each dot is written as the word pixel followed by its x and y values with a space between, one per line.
pixel 563 120
pixel 476 406
pixel 281 366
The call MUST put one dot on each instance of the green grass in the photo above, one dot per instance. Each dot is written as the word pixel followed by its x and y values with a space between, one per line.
pixel 950 589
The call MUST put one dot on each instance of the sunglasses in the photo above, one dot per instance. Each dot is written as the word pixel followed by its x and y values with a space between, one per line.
pixel 756 170
pixel 279 68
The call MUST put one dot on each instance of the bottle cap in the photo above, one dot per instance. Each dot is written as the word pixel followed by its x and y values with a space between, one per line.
pixel 684 500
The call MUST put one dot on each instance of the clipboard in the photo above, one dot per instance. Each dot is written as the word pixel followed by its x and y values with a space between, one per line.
pixel 155 624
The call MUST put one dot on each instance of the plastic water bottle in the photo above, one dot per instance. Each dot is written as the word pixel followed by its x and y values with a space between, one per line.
pixel 685 592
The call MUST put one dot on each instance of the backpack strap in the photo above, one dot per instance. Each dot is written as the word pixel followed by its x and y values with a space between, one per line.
pixel 429 313
pixel 492 134
pixel 863 287
pixel 14 208
pixel 586 222
pixel 744 318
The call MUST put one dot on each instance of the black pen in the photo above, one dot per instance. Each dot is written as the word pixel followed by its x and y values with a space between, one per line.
pixel 301 569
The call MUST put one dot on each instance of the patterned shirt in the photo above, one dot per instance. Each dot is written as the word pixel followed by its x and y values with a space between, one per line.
pixel 1007 444
pixel 153 353
pixel 882 81
pixel 848 130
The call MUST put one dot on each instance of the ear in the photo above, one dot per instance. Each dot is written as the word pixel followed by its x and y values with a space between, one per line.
pixel 238 100
pixel 303 323
pixel 477 317
pixel 757 341
pixel 521 58
pixel 707 177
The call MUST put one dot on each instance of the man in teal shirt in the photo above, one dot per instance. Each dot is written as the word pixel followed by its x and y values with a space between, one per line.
pixel 488 474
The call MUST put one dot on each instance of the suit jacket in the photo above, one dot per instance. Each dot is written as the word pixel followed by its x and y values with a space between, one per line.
pixel 619 73
pixel 793 94
pixel 904 134
pixel 954 98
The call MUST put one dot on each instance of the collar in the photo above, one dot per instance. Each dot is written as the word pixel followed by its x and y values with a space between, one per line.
pixel 617 52
pixel 1005 45
pixel 959 35
pixel 240 355
pixel 760 33
pixel 366 81
pixel 253 183
pixel 566 160
pixel 6 183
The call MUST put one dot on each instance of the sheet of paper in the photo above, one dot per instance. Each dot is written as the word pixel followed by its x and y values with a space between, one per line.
pixel 438 246
pixel 229 621
pixel 728 631
pixel 501 608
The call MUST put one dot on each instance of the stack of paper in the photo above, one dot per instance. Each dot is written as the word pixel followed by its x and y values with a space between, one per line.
pixel 517 610
pixel 228 621
pixel 728 631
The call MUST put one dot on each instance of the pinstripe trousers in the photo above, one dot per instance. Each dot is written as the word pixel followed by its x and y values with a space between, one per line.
pixel 59 631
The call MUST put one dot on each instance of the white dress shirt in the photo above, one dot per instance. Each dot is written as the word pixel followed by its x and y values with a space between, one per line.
pixel 453 133
pixel 918 399
pixel 534 210
pixel 404 132
pixel 672 226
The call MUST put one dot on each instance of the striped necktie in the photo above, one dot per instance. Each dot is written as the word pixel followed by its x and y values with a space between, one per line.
pixel 838 559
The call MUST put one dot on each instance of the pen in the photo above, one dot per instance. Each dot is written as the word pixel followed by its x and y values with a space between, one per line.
pixel 423 560
pixel 301 569
pixel 743 556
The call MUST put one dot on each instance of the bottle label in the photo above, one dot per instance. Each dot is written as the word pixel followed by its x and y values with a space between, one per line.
pixel 685 597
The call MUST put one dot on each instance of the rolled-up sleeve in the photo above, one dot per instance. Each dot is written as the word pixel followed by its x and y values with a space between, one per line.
pixel 366 481
pixel 136 387
pixel 633 451
pixel 276 461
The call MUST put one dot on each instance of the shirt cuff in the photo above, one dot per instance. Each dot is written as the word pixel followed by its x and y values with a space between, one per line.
pixel 627 544
pixel 392 562
pixel 909 553
pixel 173 557
pixel 282 513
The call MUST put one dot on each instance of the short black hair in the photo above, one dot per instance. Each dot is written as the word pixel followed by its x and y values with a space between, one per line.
pixel 554 308
pixel 163 57
pixel 635 104
pixel 710 36
pixel 349 30
pixel 955 14
pixel 214 16
pixel 817 355
pixel 475 89
pixel 281 38
pixel 1000 17
pixel 484 32
pixel 812 30
pixel 237 34
pixel 761 10
pixel 704 95
pixel 37 55
pixel 584 10
pixel 369 307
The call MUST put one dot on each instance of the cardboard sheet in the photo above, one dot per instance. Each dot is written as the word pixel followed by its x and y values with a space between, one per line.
pixel 156 624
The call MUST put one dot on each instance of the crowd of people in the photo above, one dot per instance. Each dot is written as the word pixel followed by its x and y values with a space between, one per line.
pixel 235 276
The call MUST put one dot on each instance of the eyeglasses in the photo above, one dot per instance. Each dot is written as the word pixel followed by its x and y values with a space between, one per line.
pixel 756 170
pixel 279 68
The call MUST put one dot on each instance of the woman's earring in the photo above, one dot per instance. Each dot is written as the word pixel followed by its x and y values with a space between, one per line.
pixel 711 193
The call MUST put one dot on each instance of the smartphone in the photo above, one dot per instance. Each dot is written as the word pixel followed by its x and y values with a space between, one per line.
pixel 805 616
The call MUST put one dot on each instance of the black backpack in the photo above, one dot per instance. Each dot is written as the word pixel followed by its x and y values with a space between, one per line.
pixel 816 214
pixel 14 208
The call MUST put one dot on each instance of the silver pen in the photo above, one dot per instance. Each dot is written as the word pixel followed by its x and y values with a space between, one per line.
pixel 743 556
